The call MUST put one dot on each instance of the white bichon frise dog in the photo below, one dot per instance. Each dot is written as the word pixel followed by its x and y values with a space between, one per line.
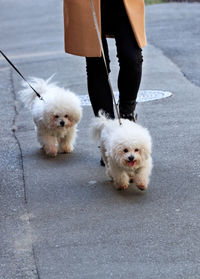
pixel 55 117
pixel 126 151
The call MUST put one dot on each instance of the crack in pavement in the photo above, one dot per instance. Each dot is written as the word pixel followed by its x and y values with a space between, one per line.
pixel 26 243
pixel 14 129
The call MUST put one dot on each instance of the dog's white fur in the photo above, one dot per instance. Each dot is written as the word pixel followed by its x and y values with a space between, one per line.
pixel 55 117
pixel 118 145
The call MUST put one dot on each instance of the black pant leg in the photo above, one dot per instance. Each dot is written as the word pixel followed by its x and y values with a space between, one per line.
pixel 98 86
pixel 97 80
pixel 130 62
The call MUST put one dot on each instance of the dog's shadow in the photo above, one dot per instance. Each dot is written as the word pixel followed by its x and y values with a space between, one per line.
pixel 132 193
pixel 66 159
pixel 76 160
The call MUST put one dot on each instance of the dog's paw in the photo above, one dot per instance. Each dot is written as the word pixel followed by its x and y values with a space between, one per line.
pixel 51 150
pixel 66 149
pixel 142 187
pixel 122 187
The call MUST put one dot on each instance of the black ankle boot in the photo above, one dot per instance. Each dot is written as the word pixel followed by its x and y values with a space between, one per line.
pixel 130 116
pixel 127 110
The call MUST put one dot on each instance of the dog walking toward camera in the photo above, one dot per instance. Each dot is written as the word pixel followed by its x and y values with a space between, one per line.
pixel 56 116
pixel 126 151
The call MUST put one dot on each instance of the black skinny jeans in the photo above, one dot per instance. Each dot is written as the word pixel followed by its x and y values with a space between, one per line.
pixel 115 21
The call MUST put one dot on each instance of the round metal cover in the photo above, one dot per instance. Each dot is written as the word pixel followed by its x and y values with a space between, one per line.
pixel 143 96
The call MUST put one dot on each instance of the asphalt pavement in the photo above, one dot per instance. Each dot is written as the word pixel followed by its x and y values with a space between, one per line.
pixel 61 218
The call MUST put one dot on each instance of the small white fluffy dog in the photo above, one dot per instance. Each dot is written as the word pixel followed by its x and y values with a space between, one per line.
pixel 55 117
pixel 126 151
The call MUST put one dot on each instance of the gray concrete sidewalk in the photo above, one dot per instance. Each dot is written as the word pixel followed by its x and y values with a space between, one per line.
pixel 61 217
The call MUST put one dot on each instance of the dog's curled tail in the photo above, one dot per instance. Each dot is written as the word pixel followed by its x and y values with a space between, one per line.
pixel 97 125
pixel 27 95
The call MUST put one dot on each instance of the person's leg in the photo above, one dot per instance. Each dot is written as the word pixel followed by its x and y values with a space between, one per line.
pixel 130 62
pixel 97 81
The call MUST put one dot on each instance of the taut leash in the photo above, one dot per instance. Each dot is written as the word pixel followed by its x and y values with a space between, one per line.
pixel 104 58
pixel 38 95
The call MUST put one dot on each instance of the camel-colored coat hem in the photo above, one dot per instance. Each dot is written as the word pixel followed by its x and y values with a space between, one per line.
pixel 80 34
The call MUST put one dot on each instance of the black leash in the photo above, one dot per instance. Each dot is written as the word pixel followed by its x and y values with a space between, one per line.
pixel 38 95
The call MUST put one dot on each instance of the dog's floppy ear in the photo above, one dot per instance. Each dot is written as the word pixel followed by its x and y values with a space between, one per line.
pixel 145 153
pixel 146 147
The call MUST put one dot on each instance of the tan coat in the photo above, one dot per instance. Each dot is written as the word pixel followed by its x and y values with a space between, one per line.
pixel 79 29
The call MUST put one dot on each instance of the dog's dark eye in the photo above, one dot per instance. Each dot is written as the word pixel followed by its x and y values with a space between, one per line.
pixel 125 150
pixel 56 116
pixel 66 115
pixel 136 150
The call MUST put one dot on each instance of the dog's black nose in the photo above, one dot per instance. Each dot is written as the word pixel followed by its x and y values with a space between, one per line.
pixel 62 123
pixel 131 158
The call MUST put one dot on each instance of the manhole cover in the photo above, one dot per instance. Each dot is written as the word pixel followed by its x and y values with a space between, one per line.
pixel 143 96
